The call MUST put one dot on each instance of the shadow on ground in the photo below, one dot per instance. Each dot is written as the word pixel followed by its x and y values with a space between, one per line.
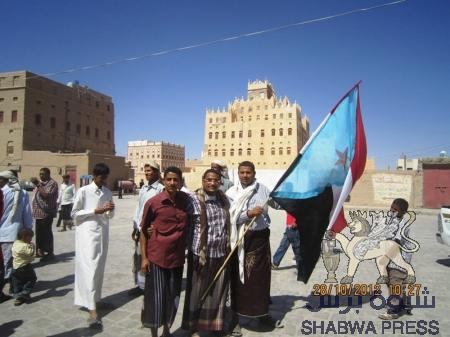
pixel 8 329
pixel 64 257
pixel 78 332
pixel 52 288
pixel 444 262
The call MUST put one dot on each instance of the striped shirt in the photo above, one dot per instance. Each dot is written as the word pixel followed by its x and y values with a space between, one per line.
pixel 45 207
pixel 217 227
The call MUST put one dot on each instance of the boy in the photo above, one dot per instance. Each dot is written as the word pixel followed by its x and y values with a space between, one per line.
pixel 397 275
pixel 23 277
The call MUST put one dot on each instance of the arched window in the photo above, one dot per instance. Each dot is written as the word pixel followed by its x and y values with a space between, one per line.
pixel 232 134
pixel 281 132
pixel 249 152
pixel 224 134
pixel 288 150
pixel 224 152
pixel 273 132
pixel 290 132
pixel 209 153
pixel 216 135
pixel 249 133
pixel 261 151
pixel 216 153
pixel 240 152
pixel 231 152
pixel 272 151
pixel 280 151
pixel 210 135
pixel 240 134
pixel 262 132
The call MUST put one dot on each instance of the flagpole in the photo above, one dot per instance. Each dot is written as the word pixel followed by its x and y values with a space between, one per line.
pixel 202 299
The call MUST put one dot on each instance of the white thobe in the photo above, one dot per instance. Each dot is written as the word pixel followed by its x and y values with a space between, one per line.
pixel 91 243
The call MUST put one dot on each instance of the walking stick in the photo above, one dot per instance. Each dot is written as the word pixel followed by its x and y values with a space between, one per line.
pixel 226 261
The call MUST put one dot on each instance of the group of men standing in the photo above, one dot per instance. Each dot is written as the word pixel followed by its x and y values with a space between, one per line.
pixel 18 215
pixel 209 223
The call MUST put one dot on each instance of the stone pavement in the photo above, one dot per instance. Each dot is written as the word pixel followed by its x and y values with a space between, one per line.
pixel 52 312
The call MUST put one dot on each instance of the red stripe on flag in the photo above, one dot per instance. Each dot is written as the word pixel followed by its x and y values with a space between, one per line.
pixel 359 159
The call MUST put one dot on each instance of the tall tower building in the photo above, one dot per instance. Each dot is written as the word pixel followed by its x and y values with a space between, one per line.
pixel 262 128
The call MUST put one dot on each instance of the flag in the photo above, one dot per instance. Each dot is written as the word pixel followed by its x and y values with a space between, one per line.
pixel 315 186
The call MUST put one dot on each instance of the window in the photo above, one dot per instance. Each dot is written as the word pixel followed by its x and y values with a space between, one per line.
pixel 273 132
pixel 10 148
pixel 107 107
pixel 262 132
pixel 1 116
pixel 231 152
pixel 209 153
pixel 88 131
pixel 288 150
pixel 249 152
pixel 224 153
pixel 261 151
pixel 210 120
pixel 290 132
pixel 290 115
pixel 280 151
pixel 97 104
pixel 232 134
pixel 281 116
pixel 38 102
pixel 68 126
pixel 249 133
pixel 274 116
pixel 13 116
pixel 96 133
pixel 37 119
pixel 257 117
pixel 239 152
pixel 224 134
pixel 249 118
pixel 216 135
pixel 281 132
pixel 108 136
pixel 272 151
pixel 1 99
pixel 78 128
pixel 257 107
pixel 210 135
pixel 15 99
pixel 216 153
pixel 240 134
pixel 266 117
pixel 53 122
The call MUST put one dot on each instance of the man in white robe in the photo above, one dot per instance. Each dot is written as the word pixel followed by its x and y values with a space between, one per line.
pixel 92 209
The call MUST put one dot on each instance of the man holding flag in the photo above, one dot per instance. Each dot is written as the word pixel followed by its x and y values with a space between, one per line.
pixel 315 186
pixel 251 266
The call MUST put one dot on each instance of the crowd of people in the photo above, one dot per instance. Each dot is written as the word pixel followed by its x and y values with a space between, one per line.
pixel 221 230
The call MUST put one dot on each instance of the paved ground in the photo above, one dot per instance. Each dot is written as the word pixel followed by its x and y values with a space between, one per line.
pixel 52 312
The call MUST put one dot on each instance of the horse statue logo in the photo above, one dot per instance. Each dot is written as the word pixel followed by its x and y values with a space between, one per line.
pixel 376 241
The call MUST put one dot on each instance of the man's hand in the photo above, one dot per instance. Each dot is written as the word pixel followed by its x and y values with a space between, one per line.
pixel 258 210
pixel 145 265
pixel 109 206
pixel 35 181
pixel 150 230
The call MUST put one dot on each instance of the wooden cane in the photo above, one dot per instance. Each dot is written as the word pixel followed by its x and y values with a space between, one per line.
pixel 226 262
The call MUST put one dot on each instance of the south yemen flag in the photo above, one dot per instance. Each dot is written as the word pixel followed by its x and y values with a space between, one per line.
pixel 315 186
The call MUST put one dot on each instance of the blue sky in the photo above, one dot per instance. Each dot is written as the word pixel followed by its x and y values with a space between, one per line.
pixel 400 52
